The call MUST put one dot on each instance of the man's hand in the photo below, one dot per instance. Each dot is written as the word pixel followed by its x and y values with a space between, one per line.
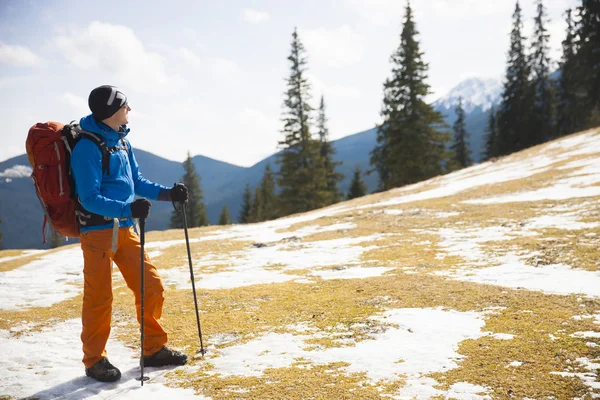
pixel 179 193
pixel 140 208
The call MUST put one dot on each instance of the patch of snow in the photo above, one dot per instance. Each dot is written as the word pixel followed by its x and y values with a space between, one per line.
pixel 25 253
pixel 264 232
pixel 578 185
pixel 586 335
pixel 351 273
pixel 447 214
pixel 153 253
pixel 466 243
pixel 251 266
pixel 514 273
pixel 47 365
pixel 44 282
pixel 515 364
pixel 467 391
pixel 587 143
pixel 503 336
pixel 426 341
pixel 479 175
pixel 222 338
pixel 564 221
pixel 394 212
pixel 588 378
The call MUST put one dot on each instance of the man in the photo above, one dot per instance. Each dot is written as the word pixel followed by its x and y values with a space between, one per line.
pixel 106 190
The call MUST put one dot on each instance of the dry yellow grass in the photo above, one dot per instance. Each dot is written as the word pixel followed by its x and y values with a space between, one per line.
pixel 543 325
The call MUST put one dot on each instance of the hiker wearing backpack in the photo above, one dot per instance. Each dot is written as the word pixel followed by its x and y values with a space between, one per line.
pixel 107 179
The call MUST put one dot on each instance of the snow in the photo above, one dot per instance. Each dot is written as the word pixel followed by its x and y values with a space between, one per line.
pixel 515 364
pixel 263 232
pixel 351 273
pixel 47 365
pixel 413 342
pixel 588 378
pixel 467 243
pixel 483 174
pixel 41 283
pixel 25 253
pixel 424 342
pixel 565 221
pixel 578 184
pixel 563 189
pixel 254 265
pixel 514 273
pixel 475 92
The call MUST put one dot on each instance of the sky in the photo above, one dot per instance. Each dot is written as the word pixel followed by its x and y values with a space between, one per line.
pixel 208 77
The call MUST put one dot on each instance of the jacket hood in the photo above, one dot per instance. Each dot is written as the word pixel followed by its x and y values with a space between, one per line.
pixel 110 136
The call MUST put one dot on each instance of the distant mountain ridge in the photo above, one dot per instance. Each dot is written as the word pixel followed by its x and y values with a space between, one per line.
pixel 475 93
pixel 223 183
pixel 478 96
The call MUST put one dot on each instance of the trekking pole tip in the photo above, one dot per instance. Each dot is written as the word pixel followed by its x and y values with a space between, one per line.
pixel 201 352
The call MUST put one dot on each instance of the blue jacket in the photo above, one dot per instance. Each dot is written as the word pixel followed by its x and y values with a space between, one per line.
pixel 108 195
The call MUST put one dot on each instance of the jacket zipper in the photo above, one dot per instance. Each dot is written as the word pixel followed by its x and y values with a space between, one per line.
pixel 60 180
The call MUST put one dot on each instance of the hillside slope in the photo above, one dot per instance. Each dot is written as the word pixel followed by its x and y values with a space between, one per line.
pixel 481 284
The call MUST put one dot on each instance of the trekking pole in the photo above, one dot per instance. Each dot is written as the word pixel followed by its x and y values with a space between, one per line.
pixel 142 378
pixel 202 350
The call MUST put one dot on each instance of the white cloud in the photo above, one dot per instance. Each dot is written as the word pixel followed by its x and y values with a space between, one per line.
pixel 18 171
pixel 115 49
pixel 378 12
pixel 335 48
pixel 222 68
pixel 259 128
pixel 320 88
pixel 218 67
pixel 189 56
pixel 259 121
pixel 254 17
pixel 77 102
pixel 464 8
pixel 386 12
pixel 18 56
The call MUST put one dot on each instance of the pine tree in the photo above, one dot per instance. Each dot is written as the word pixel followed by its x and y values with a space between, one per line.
pixel 410 145
pixel 257 207
pixel 301 179
pixel 514 116
pixel 358 188
pixel 460 147
pixel 569 111
pixel 327 153
pixel 267 193
pixel 491 137
pixel 224 218
pixel 543 115
pixel 196 211
pixel 588 60
pixel 244 216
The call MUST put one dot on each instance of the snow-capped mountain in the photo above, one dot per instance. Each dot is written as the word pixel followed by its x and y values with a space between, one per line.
pixel 475 92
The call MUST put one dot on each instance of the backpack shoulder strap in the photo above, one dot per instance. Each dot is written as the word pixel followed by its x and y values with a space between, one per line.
pixel 125 145
pixel 102 146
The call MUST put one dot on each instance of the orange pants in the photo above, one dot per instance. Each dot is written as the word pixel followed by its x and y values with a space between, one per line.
pixel 97 291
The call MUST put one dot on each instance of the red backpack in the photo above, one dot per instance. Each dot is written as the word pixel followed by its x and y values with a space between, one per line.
pixel 49 147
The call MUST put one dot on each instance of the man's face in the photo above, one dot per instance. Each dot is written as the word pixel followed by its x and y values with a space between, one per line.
pixel 122 115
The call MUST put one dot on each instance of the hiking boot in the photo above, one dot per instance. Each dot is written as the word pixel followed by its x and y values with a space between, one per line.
pixel 165 356
pixel 103 371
